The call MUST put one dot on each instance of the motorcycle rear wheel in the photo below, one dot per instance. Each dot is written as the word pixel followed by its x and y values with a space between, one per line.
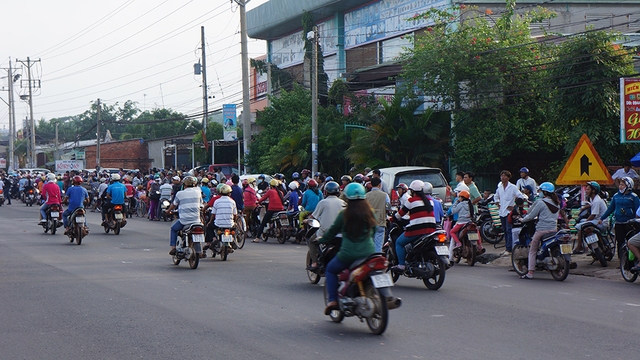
pixel 117 229
pixel 437 279
pixel 336 315
pixel 520 266
pixel 175 260
pixel 390 258
pixel 194 260
pixel 471 259
pixel 563 267
pixel 625 266
pixel 280 235
pixel 223 252
pixel 54 226
pixel 378 321
pixel 314 277
pixel 486 233
pixel 78 231
pixel 598 255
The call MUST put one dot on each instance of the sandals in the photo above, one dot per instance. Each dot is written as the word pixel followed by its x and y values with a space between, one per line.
pixel 331 307
pixel 256 240
pixel 526 276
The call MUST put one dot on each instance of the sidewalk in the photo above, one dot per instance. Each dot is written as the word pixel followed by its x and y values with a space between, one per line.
pixel 585 268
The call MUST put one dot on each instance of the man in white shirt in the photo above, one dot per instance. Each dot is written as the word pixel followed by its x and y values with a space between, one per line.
pixel 626 170
pixel 525 180
pixel 597 206
pixel 505 197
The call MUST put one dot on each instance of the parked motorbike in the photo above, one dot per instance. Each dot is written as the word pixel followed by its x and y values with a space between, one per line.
pixel 469 250
pixel 427 258
pixel 189 245
pixel 77 230
pixel 488 221
pixel 54 219
pixel 115 220
pixel 365 291
pixel 554 254
pixel 627 259
pixel 601 244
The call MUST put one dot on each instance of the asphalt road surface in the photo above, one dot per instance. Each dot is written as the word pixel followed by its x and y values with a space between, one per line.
pixel 120 297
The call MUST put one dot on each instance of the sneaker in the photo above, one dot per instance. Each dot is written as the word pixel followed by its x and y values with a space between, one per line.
pixel 42 221
pixel 172 252
pixel 505 253
pixel 635 268
pixel 457 245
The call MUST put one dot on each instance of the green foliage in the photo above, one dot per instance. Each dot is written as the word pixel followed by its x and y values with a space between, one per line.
pixel 280 78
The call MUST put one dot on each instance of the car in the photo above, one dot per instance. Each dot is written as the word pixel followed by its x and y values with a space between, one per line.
pixel 33 171
pixel 227 169
pixel 393 176
pixel 267 178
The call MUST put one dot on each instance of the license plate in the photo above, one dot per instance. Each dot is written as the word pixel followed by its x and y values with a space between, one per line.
pixel 80 219
pixel 284 222
pixel 55 214
pixel 442 250
pixel 227 238
pixel 472 236
pixel 565 249
pixel 198 238
pixel 591 239
pixel 382 280
pixel 118 216
pixel 30 196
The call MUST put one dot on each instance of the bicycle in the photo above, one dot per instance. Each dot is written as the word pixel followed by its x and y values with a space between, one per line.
pixel 141 208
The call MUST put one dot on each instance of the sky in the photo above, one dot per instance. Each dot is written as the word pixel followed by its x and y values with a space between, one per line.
pixel 119 50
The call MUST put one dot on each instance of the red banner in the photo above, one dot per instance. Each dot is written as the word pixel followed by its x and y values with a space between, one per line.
pixel 629 110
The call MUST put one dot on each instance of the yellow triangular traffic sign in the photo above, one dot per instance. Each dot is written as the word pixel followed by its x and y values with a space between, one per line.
pixel 584 165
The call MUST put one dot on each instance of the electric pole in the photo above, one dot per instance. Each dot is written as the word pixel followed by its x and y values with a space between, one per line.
pixel 98 137
pixel 12 115
pixel 32 122
pixel 314 101
pixel 246 105
pixel 205 102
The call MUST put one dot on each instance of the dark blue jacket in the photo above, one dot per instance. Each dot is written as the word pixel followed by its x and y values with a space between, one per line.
pixel 623 207
pixel 238 197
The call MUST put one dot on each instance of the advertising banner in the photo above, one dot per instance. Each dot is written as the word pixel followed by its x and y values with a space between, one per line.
pixel 68 165
pixel 230 122
pixel 629 110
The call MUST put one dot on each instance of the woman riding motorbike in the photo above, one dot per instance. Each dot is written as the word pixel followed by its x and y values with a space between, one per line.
pixel 275 204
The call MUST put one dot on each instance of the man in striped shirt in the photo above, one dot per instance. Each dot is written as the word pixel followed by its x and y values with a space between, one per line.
pixel 188 202
pixel 224 210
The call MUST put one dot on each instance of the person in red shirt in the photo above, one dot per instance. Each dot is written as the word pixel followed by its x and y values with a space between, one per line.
pixel 130 193
pixel 275 205
pixel 250 200
pixel 51 194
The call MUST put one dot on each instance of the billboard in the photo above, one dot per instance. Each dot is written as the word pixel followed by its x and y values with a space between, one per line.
pixel 68 165
pixel 230 122
pixel 629 110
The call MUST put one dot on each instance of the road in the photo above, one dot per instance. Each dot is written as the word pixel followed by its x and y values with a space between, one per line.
pixel 120 297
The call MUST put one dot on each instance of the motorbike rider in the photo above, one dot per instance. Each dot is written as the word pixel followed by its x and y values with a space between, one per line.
pixel 596 206
pixel 310 199
pixel 236 193
pixel 6 188
pixel 634 245
pixel 263 185
pixel 275 198
pixel 250 200
pixel 525 180
pixel 465 210
pixel 114 195
pixel 438 210
pixel 357 225
pixel 326 213
pixel 546 211
pixel 421 220
pixel 623 205
pixel 77 196
pixel 206 190
pixel 188 202
pixel 223 214
pixel 51 194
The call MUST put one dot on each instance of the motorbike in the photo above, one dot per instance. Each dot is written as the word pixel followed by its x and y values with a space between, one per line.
pixel 30 197
pixel 1 197
pixel 427 258
pixel 224 243
pixel 115 220
pixel 77 230
pixel 128 209
pixel 554 254
pixel 488 221
pixel 312 226
pixel 276 226
pixel 54 219
pixel 189 245
pixel 469 250
pixel 627 259
pixel 164 204
pixel 601 244
pixel 365 291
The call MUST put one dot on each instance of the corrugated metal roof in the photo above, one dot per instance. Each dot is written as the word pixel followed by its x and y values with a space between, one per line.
pixel 277 18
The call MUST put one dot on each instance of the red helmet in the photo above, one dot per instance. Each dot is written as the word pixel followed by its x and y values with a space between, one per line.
pixel 312 183
pixel 77 180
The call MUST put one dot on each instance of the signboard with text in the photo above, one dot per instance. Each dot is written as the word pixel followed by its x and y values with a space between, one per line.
pixel 3 163
pixel 629 110
pixel 230 122
pixel 68 165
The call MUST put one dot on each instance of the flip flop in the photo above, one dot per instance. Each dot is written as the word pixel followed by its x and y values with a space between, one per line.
pixel 255 241
pixel 526 276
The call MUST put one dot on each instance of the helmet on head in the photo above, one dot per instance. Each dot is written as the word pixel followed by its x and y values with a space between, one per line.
pixel 306 172
pixel 295 175
pixel 293 185
pixel 358 178
pixel 214 182
pixel 115 177
pixel 346 178
pixel 355 191
pixel 219 186
pixel 594 185
pixel 261 176
pixel 428 188
pixel 402 186
pixel 332 188
pixel 329 178
pixel 51 177
pixel 251 180
pixel 547 187
pixel 205 180
pixel 465 194
pixel 77 180
pixel 189 181
pixel 317 174
pixel 312 183
pixel 524 170
pixel 274 182
pixel 628 182
pixel 416 185
pixel 461 187
pixel 225 189
pixel 103 179
pixel 278 176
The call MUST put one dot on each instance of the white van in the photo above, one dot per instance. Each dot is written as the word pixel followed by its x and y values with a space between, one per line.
pixel 393 176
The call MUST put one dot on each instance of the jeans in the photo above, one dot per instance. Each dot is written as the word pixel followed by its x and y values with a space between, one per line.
pixel 334 267
pixel 508 236
pixel 378 237
pixel 177 226
pixel 535 245
pixel 400 243
pixel 43 211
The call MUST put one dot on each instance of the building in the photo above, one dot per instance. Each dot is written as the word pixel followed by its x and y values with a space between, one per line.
pixel 126 154
pixel 161 151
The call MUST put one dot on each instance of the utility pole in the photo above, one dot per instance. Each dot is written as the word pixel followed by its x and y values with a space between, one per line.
pixel 32 122
pixel 98 137
pixel 246 105
pixel 205 102
pixel 12 121
pixel 55 155
pixel 268 84
pixel 314 101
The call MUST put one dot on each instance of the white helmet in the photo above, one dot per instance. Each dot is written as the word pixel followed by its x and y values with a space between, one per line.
pixel 428 188
pixel 115 177
pixel 293 185
pixel 461 187
pixel 51 177
pixel 628 182
pixel 416 185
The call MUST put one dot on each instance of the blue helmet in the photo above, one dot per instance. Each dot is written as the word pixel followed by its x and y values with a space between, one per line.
pixel 547 187
pixel 332 188
pixel 295 175
pixel 355 191
pixel 524 170
pixel 329 178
